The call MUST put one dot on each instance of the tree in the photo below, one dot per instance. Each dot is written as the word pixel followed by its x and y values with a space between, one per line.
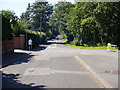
pixel 59 18
pixel 8 18
pixel 37 15
pixel 94 23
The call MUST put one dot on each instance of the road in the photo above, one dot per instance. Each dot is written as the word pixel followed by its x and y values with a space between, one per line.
pixel 53 66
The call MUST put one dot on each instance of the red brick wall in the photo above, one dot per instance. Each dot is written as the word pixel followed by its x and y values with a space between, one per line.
pixel 19 42
pixel 16 42
pixel 7 46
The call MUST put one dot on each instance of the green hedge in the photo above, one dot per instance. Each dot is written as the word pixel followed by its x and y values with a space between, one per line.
pixel 36 38
pixel 6 29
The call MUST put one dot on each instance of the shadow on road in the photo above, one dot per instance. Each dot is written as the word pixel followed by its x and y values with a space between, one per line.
pixel 19 57
pixel 15 58
pixel 38 48
pixel 9 81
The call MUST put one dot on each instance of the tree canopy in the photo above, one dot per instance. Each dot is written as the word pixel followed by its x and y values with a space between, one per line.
pixel 88 23
pixel 82 23
pixel 37 16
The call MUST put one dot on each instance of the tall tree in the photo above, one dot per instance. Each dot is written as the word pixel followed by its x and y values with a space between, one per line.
pixel 94 22
pixel 59 18
pixel 9 23
pixel 37 16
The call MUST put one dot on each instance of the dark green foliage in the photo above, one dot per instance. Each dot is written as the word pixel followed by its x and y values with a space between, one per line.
pixel 37 17
pixel 59 18
pixel 10 24
pixel 70 38
pixel 35 39
pixel 88 23
pixel 6 29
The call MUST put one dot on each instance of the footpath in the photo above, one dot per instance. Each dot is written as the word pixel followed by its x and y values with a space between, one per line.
pixel 8 59
pixel 18 54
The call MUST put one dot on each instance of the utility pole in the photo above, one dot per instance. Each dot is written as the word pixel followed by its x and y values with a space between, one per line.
pixel 26 34
pixel 40 26
pixel 27 22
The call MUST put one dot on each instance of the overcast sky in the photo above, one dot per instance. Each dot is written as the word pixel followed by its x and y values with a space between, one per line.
pixel 19 6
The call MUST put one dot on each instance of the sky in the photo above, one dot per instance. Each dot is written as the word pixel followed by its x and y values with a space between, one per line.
pixel 19 6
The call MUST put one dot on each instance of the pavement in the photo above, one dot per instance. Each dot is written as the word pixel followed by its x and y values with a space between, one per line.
pixel 56 65
pixel 9 58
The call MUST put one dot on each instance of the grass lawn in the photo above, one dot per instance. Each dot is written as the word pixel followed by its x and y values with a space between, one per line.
pixel 90 47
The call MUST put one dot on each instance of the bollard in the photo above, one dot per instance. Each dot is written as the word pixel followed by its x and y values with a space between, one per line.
pixel 109 46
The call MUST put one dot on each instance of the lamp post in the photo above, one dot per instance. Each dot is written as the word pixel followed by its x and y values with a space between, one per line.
pixel 26 35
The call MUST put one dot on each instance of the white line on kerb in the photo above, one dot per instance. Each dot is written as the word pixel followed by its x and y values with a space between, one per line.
pixel 55 43
pixel 93 73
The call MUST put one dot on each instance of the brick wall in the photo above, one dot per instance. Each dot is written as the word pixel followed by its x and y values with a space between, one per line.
pixel 16 43
pixel 7 46
pixel 19 42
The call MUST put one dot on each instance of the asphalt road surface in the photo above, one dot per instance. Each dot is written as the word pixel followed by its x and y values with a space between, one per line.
pixel 49 66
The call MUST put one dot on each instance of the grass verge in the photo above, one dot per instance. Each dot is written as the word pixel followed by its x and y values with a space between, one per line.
pixel 91 47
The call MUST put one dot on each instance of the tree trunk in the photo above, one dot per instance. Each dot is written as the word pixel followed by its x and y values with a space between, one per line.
pixel 101 40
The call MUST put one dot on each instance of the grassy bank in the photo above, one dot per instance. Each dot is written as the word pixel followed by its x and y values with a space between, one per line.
pixel 91 47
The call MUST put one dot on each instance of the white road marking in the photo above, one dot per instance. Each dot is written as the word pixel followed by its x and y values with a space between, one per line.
pixel 48 71
pixel 85 53
pixel 55 43
pixel 68 72
pixel 37 71
pixel 94 74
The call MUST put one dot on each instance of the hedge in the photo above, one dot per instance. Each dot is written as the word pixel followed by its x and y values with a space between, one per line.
pixel 6 29
pixel 36 38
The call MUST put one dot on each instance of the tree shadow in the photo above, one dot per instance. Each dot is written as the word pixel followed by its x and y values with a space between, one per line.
pixel 19 57
pixel 39 48
pixel 24 59
pixel 10 81
pixel 15 58
pixel 61 43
